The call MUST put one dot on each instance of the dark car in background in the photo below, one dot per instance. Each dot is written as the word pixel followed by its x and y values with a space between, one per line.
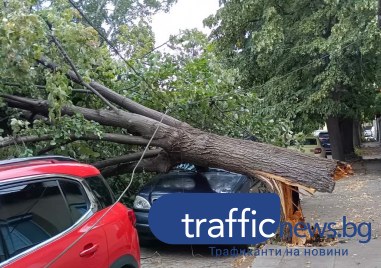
pixel 188 180
pixel 324 140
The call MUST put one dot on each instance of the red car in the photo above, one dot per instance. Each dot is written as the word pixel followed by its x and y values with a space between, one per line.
pixel 46 203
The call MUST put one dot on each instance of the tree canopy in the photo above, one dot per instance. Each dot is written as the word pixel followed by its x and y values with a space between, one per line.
pixel 191 80
pixel 313 59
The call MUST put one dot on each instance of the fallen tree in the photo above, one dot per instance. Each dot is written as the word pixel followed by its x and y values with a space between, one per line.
pixel 285 171
pixel 174 142
pixel 183 143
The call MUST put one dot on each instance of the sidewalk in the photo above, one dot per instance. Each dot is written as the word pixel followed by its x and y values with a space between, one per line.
pixel 359 255
pixel 357 197
pixel 371 150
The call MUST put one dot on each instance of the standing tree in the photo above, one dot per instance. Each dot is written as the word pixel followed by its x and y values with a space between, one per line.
pixel 317 60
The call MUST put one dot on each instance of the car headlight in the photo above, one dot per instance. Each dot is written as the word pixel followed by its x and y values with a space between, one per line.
pixel 141 203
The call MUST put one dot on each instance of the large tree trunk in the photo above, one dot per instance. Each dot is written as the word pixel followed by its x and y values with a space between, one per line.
pixel 335 138
pixel 346 133
pixel 238 155
pixel 356 134
pixel 195 146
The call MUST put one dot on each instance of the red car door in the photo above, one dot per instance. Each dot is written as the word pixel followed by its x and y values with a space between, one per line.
pixel 90 251
pixel 122 237
pixel 42 217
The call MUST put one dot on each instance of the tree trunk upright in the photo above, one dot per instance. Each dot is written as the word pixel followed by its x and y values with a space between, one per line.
pixel 346 133
pixel 356 134
pixel 335 138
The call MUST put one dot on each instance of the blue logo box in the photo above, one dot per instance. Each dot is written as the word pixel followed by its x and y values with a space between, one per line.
pixel 188 218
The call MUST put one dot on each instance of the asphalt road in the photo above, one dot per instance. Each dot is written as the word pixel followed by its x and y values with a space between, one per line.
pixel 161 255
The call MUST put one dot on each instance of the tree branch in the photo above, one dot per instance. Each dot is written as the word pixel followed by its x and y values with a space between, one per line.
pixel 11 84
pixel 25 139
pixel 52 147
pixel 136 124
pixel 118 99
pixel 82 91
pixel 109 137
pixel 80 80
pixel 161 163
pixel 126 158
pixel 136 108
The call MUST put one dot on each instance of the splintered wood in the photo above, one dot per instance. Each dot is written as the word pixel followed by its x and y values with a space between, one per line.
pixel 342 170
pixel 292 210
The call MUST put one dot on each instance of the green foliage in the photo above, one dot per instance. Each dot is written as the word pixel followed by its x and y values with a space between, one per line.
pixel 191 78
pixel 306 59
pixel 119 183
pixel 200 90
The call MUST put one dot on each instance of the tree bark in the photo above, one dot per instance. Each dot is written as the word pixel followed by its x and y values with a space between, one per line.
pixel 335 138
pixel 126 158
pixel 254 158
pixel 161 163
pixel 110 137
pixel 356 134
pixel 346 133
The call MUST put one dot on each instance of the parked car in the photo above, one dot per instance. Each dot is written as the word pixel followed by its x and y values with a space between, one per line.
pixel 324 140
pixel 312 146
pixel 188 180
pixel 47 203
pixel 368 133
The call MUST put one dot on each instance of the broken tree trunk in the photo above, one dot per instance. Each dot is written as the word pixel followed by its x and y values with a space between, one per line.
pixel 192 145
pixel 284 169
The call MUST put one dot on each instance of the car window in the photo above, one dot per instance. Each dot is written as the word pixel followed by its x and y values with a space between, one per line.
pixel 3 257
pixel 101 191
pixel 323 135
pixel 222 182
pixel 324 141
pixel 185 166
pixel 310 141
pixel 184 183
pixel 30 214
pixel 76 199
